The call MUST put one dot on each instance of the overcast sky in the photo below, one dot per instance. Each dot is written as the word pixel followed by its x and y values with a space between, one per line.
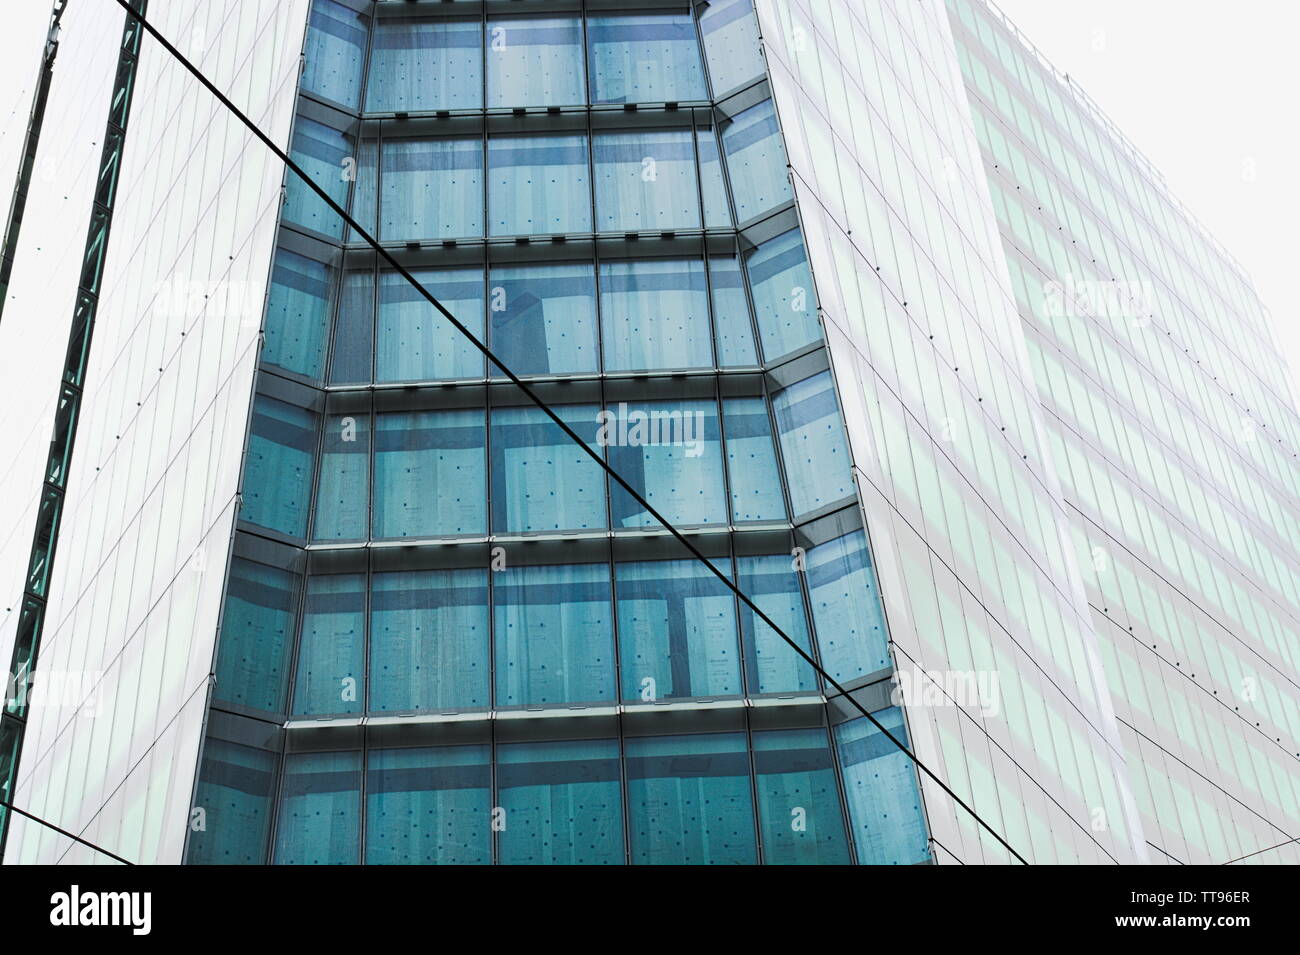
pixel 1207 89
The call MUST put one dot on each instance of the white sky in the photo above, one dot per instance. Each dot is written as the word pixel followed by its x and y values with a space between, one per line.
pixel 1207 89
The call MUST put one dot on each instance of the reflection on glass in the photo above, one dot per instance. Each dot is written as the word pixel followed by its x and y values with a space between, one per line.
pixel 677 632
pixel 562 803
pixel 655 314
pixel 431 189
pixel 429 474
pixel 771 664
pixel 541 480
pixel 645 181
pixel 321 152
pixel 813 445
pixel 236 787
pixel 414 340
pixel 756 161
pixel 429 641
pixel 798 799
pixel 670 452
pixel 429 806
pixel 336 46
pixel 731 44
pixel 732 325
pixel 535 61
pixel 847 613
pixel 425 64
pixel 257 627
pixel 782 289
pixel 689 800
pixel 319 822
pixel 278 467
pixel 554 635
pixel 343 488
pixel 544 318
pixel 650 58
pixel 365 191
pixel 538 185
pixel 884 805
pixel 297 315
pixel 717 211
pixel 331 650
pixel 354 330
pixel 751 462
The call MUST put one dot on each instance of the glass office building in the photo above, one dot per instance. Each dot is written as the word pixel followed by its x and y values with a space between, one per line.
pixel 447 637
pixel 360 601
pixel 1168 414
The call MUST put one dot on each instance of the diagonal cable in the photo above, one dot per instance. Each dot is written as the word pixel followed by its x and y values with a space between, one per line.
pixel 546 409
pixel 1251 855
pixel 63 832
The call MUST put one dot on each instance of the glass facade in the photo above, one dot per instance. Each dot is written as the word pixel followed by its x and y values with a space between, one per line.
pixel 1168 417
pixel 172 287
pixel 945 432
pixel 537 674
pixel 864 298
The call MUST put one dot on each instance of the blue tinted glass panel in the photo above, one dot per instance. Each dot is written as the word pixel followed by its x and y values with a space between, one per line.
pixel 430 478
pixel 415 340
pixel 717 210
pixel 653 58
pixel 554 635
pixel 732 325
pixel 689 800
pixel 782 289
pixel 365 190
pixel 645 181
pixel 771 664
pixel 320 810
pixel 429 641
pixel 544 319
pixel 541 480
pixel 731 45
pixel 336 47
pixel 331 650
pixel 670 452
pixel 431 189
pixel 425 64
pixel 236 786
pixel 429 806
pixel 343 488
pixel 756 161
pixel 257 628
pixel 677 632
pixel 751 461
pixel 535 61
pixel 813 444
pixel 655 314
pixel 846 608
pixel 538 185
pixel 562 803
pixel 321 152
pixel 884 806
pixel 354 330
pixel 297 315
pixel 798 799
pixel 278 468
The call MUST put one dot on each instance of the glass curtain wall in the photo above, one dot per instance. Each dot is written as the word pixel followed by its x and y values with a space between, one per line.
pixel 601 199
